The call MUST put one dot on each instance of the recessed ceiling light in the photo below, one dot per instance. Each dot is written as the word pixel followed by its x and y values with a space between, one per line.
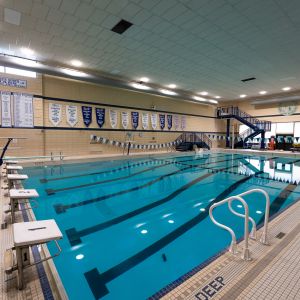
pixel 74 73
pixel 218 97
pixel 243 96
pixel 144 79
pixel 167 92
pixel 213 101
pixel 27 51
pixel 287 88
pixel 76 63
pixel 140 86
pixel 203 93
pixel 263 92
pixel 199 99
pixel 172 86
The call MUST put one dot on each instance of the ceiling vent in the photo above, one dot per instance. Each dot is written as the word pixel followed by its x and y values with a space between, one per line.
pixel 248 79
pixel 121 27
pixel 12 16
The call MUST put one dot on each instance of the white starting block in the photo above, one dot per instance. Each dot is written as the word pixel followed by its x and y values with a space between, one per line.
pixel 26 235
pixel 19 194
pixel 14 168
pixel 15 177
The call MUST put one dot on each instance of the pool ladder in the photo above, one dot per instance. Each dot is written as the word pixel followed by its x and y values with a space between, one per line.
pixel 264 238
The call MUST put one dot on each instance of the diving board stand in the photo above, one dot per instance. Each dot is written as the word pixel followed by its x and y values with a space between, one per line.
pixel 25 236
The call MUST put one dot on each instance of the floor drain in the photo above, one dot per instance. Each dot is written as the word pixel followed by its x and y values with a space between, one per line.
pixel 280 235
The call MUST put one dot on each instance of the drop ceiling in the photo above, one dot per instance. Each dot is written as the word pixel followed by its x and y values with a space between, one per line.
pixel 199 45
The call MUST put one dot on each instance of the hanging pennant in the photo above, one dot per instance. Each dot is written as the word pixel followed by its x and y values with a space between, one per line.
pixel 72 115
pixel 113 116
pixel 183 122
pixel 125 119
pixel 162 121
pixel 176 122
pixel 135 119
pixel 100 116
pixel 6 119
pixel 169 119
pixel 154 120
pixel 55 113
pixel 87 115
pixel 145 120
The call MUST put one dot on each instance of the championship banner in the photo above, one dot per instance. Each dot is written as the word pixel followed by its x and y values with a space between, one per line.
pixel 113 117
pixel 176 122
pixel 55 113
pixel 154 120
pixel 6 119
pixel 125 119
pixel 162 121
pixel 183 122
pixel 72 115
pixel 100 116
pixel 87 115
pixel 169 119
pixel 145 120
pixel 135 119
pixel 23 110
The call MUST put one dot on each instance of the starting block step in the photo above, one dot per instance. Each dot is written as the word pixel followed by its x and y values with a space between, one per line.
pixel 17 176
pixel 23 193
pixel 14 168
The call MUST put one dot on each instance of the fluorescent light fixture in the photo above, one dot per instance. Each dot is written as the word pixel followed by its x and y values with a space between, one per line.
pixel 76 63
pixel 25 62
pixel 287 88
pixel 27 51
pixel 263 92
pixel 243 96
pixel 20 72
pixel 203 93
pixel 218 97
pixel 199 99
pixel 213 101
pixel 140 86
pixel 74 73
pixel 1 69
pixel 144 79
pixel 172 86
pixel 167 92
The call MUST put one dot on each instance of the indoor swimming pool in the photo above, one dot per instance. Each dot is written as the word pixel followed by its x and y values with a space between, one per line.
pixel 133 226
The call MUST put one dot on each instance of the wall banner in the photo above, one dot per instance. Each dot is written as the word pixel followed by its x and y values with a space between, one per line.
pixel 55 113
pixel 100 116
pixel 135 119
pixel 169 119
pixel 154 120
pixel 6 119
pixel 72 115
pixel 125 119
pixel 87 115
pixel 113 116
pixel 145 120
pixel 176 122
pixel 19 83
pixel 23 110
pixel 183 122
pixel 162 121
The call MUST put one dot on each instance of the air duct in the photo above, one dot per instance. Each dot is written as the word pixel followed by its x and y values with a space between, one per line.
pixel 276 100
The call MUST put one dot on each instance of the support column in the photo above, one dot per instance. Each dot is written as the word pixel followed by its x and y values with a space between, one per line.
pixel 228 134
pixel 262 142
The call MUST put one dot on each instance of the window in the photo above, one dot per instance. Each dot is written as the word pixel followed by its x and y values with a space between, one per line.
pixel 297 129
pixel 285 128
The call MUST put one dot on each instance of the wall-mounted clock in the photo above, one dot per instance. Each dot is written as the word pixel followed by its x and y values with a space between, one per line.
pixel 287 109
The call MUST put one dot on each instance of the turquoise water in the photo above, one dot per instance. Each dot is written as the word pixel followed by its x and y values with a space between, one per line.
pixel 131 227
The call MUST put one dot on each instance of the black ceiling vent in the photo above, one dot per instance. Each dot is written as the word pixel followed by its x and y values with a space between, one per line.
pixel 248 79
pixel 121 27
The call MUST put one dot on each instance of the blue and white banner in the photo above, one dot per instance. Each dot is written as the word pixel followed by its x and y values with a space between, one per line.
pixel 162 121
pixel 113 117
pixel 6 119
pixel 100 116
pixel 183 122
pixel 55 113
pixel 145 120
pixel 176 122
pixel 135 119
pixel 154 120
pixel 72 115
pixel 125 119
pixel 19 83
pixel 23 110
pixel 87 115
pixel 169 119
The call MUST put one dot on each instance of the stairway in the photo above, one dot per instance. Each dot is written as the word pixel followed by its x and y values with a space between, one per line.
pixel 255 125
pixel 189 139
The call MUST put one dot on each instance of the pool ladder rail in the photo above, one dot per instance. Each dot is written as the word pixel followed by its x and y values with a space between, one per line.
pixel 264 238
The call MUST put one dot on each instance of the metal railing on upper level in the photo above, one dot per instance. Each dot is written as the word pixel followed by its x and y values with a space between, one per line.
pixel 195 137
pixel 264 238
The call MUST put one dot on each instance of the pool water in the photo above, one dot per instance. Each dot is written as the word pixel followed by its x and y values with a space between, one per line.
pixel 131 227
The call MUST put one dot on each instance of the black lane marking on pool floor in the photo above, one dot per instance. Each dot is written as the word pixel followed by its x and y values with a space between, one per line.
pixel 97 281
pixel 53 191
pixel 60 208
pixel 74 236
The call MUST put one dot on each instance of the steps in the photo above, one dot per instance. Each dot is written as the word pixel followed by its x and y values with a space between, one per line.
pixel 189 139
